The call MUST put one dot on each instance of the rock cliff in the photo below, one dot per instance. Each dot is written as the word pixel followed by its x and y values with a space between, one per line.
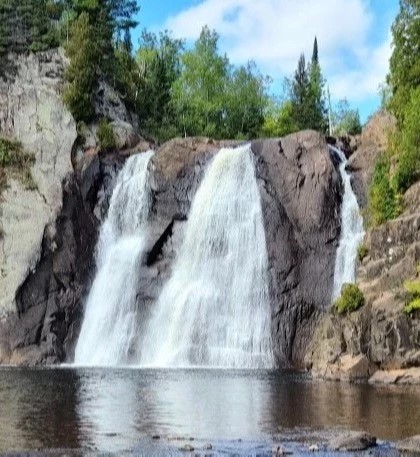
pixel 379 335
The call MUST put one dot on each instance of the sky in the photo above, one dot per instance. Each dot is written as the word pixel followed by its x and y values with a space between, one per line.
pixel 354 38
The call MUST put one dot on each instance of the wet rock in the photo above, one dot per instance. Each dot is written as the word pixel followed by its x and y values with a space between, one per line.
pixel 187 448
pixel 313 448
pixel 280 450
pixel 409 445
pixel 409 376
pixel 352 441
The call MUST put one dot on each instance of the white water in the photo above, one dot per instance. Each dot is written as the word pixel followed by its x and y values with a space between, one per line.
pixel 352 232
pixel 214 310
pixel 109 327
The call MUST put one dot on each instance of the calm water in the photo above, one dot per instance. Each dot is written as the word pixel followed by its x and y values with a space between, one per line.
pixel 121 409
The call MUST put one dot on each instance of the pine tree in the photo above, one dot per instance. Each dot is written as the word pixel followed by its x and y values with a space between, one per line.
pixel 299 94
pixel 317 110
pixel 82 72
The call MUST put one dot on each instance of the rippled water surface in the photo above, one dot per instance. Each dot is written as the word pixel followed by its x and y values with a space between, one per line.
pixel 122 409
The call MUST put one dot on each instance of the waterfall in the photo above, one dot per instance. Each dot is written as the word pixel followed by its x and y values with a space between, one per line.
pixel 108 333
pixel 352 232
pixel 214 310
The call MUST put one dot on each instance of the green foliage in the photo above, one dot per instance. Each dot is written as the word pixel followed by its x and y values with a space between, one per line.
pixel 14 160
pixel 106 136
pixel 278 120
pixel 383 202
pixel 362 252
pixel 408 137
pixel 404 73
pixel 26 25
pixel 350 300
pixel 82 71
pixel 346 121
pixel 307 94
pixel 158 66
pixel 412 289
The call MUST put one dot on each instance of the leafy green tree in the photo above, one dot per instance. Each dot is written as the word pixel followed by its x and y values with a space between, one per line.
pixel 83 69
pixel 159 66
pixel 408 140
pixel 346 121
pixel 404 73
pixel 199 93
pixel 279 120
pixel 245 104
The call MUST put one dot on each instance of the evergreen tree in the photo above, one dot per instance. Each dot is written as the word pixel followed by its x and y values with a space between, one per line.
pixel 84 55
pixel 299 94
pixel 307 94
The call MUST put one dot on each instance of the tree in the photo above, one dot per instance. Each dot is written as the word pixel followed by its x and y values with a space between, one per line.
pixel 404 73
pixel 83 69
pixel 317 110
pixel 307 94
pixel 279 120
pixel 159 66
pixel 199 91
pixel 246 101
pixel 346 121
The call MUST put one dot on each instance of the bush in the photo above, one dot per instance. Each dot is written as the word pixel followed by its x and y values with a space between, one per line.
pixel 17 161
pixel 106 136
pixel 408 145
pixel 383 201
pixel 412 289
pixel 412 306
pixel 362 252
pixel 350 300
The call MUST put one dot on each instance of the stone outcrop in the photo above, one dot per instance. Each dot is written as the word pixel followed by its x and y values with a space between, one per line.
pixel 31 111
pixel 380 332
pixel 300 193
pixel 372 142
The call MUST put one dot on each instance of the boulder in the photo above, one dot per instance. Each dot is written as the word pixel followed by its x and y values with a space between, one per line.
pixel 125 134
pixel 409 445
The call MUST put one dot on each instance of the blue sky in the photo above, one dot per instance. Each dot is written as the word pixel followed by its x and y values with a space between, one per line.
pixel 353 36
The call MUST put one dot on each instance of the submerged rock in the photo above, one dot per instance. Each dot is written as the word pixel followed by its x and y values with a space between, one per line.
pixel 352 441
pixel 409 445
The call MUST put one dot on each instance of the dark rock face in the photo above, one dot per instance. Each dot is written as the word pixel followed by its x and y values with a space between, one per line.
pixel 300 192
pixel 300 195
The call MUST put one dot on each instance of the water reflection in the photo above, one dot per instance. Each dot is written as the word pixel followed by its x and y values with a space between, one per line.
pixel 115 409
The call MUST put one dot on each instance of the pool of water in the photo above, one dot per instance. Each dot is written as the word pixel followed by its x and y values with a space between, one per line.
pixel 116 410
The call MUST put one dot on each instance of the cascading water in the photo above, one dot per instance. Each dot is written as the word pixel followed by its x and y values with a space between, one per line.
pixel 214 310
pixel 352 232
pixel 109 327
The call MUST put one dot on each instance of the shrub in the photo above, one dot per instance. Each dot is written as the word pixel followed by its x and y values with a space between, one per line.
pixel 350 300
pixel 362 252
pixel 106 136
pixel 383 201
pixel 412 289
pixel 408 166
pixel 412 306
pixel 17 161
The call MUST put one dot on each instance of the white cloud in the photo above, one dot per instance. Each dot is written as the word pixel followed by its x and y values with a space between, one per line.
pixel 275 32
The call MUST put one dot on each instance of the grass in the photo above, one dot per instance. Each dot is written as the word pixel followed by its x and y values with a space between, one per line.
pixel 351 299
pixel 362 252
pixel 16 162
pixel 412 289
